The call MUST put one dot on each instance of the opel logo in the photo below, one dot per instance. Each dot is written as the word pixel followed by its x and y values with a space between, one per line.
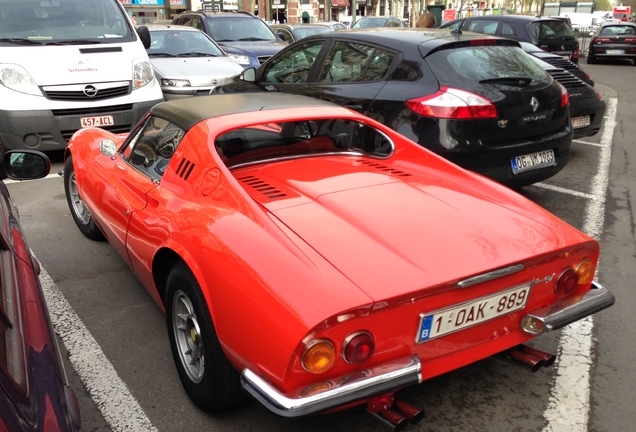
pixel 90 91
pixel 534 103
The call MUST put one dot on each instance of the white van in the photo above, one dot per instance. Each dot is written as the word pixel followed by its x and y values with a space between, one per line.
pixel 68 64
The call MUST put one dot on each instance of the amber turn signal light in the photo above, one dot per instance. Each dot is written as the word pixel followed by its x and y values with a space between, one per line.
pixel 319 356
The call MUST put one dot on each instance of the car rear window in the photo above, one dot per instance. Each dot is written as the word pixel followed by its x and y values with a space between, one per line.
pixel 467 66
pixel 618 30
pixel 556 29
pixel 303 138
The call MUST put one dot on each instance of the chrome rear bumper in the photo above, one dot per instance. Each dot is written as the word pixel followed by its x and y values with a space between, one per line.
pixel 574 309
pixel 342 391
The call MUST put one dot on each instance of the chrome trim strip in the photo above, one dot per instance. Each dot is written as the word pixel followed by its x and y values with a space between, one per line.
pixel 340 391
pixel 560 315
pixel 490 275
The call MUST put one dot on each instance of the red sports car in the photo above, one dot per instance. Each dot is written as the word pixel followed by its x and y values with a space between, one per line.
pixel 317 259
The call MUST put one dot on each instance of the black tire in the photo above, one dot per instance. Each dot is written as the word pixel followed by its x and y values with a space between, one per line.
pixel 206 374
pixel 591 59
pixel 81 215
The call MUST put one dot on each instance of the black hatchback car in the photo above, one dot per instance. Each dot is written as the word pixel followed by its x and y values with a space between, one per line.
pixel 243 36
pixel 614 41
pixel 551 34
pixel 479 102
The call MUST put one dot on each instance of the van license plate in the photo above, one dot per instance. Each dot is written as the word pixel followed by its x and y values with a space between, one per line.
pixel 98 121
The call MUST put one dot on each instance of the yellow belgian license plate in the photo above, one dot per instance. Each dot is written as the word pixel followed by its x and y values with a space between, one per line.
pixel 442 322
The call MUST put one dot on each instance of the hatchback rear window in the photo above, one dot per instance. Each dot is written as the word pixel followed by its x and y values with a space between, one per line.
pixel 464 67
pixel 556 29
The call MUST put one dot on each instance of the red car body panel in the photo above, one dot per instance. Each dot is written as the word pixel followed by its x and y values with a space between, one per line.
pixel 315 261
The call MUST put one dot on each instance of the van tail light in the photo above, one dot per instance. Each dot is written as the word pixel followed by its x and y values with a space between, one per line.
pixel 450 103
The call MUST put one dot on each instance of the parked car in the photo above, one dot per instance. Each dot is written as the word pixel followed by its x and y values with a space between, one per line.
pixel 377 21
pixel 292 32
pixel 551 34
pixel 479 102
pixel 34 392
pixel 614 41
pixel 316 223
pixel 187 62
pixel 558 62
pixel 587 108
pixel 244 37
pixel 335 25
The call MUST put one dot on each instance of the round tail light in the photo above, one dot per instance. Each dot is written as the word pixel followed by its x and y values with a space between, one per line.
pixel 319 356
pixel 585 271
pixel 358 348
pixel 568 280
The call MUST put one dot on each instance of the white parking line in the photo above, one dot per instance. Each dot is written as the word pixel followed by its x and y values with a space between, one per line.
pixel 569 403
pixel 112 397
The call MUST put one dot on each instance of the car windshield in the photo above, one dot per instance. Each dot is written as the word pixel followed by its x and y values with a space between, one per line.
pixel 62 22
pixel 271 141
pixel 486 64
pixel 370 22
pixel 177 43
pixel 234 30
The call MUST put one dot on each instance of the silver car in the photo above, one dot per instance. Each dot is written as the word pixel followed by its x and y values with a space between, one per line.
pixel 187 62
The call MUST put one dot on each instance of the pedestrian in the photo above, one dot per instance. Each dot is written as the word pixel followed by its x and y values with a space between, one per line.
pixel 426 20
pixel 134 19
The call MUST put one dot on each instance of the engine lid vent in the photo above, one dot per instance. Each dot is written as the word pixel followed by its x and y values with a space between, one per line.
pixel 261 186
pixel 185 168
pixel 384 168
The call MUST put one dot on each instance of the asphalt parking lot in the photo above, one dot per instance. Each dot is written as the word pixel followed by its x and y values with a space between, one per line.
pixel 120 365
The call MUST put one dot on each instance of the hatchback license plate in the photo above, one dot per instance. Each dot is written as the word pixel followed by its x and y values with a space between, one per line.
pixel 580 122
pixel 440 323
pixel 615 52
pixel 98 121
pixel 533 161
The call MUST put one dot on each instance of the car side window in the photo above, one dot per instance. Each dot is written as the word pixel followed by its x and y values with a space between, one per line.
pixel 507 30
pixel 352 62
pixel 151 149
pixel 295 65
pixel 284 35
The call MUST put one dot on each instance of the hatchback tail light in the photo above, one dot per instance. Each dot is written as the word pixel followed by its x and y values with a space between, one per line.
pixel 453 103
pixel 565 98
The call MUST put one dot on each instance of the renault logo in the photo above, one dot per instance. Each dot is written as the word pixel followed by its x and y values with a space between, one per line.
pixel 90 91
pixel 534 103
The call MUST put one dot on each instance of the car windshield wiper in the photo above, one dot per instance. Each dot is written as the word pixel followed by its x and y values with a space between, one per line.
pixel 161 54
pixel 513 80
pixel 74 42
pixel 224 40
pixel 252 39
pixel 20 41
pixel 197 54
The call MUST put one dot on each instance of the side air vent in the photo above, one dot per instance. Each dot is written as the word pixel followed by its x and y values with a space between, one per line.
pixel 185 168
pixel 381 167
pixel 262 187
